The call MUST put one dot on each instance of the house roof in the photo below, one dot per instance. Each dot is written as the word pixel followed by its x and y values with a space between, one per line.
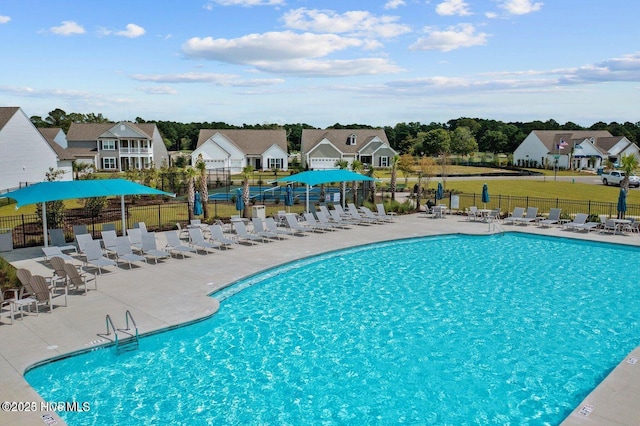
pixel 91 131
pixel 550 138
pixel 249 141
pixel 50 133
pixel 6 113
pixel 339 137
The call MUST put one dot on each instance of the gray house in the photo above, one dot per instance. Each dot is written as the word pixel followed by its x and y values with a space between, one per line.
pixel 322 148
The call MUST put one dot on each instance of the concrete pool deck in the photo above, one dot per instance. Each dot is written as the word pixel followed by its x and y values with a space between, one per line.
pixel 176 291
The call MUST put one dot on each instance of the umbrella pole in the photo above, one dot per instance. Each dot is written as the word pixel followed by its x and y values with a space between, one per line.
pixel 44 224
pixel 307 199
pixel 124 219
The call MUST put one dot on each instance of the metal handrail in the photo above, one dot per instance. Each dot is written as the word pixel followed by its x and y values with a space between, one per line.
pixel 113 327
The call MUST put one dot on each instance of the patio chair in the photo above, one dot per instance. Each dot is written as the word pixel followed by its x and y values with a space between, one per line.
pixel 245 236
pixel 312 223
pixel 494 215
pixel 472 213
pixel 79 278
pixel 554 218
pixel 338 219
pixel 352 210
pixel 197 241
pixel 108 227
pixel 217 236
pixel 57 238
pixel 271 226
pixel 259 229
pixel 608 226
pixel 109 241
pixel 124 252
pixel 80 230
pixel 43 294
pixel 135 237
pixel 295 226
pixel 150 248
pixel 52 251
pixel 368 214
pixel 81 241
pixel 324 220
pixel 517 214
pixel 142 227
pixel 383 214
pixel 59 274
pixel 182 232
pixel 175 246
pixel 530 216
pixel 632 227
pixel 579 220
pixel 95 258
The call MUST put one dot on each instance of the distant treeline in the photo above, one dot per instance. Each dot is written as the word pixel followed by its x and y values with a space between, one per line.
pixel 491 135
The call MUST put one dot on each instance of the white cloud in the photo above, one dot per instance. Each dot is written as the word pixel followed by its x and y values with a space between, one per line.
pixel 453 7
pixel 394 4
pixel 132 31
pixel 4 19
pixel 212 78
pixel 68 28
pixel 352 22
pixel 330 68
pixel 521 7
pixel 455 37
pixel 158 90
pixel 491 15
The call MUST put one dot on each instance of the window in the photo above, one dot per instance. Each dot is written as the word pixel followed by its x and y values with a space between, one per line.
pixel 109 163
pixel 275 163
pixel 109 145
pixel 384 161
pixel 351 140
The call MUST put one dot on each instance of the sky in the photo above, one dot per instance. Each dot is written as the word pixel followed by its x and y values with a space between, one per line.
pixel 375 62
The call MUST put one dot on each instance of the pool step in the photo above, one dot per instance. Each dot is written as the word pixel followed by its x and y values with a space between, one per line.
pixel 128 344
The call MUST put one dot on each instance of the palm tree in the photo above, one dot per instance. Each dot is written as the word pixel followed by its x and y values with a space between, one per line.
pixel 356 166
pixel 629 164
pixel 203 187
pixel 394 176
pixel 190 175
pixel 246 175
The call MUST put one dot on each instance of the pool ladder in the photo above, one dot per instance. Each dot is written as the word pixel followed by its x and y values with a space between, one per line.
pixel 495 227
pixel 130 342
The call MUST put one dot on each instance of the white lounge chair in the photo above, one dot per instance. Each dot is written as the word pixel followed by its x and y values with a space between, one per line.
pixel 352 210
pixel 135 237
pixel 271 226
pixel 296 227
pixel 259 229
pixel 579 220
pixel 55 251
pixel 174 244
pixel 244 235
pixel 383 214
pixel 150 248
pixel 80 230
pixel 368 214
pixel 81 241
pixel 516 215
pixel 337 218
pixel 530 216
pixel 324 220
pixel 94 256
pixel 197 241
pixel 109 241
pixel 217 236
pixel 312 223
pixel 58 239
pixel 554 218
pixel 124 252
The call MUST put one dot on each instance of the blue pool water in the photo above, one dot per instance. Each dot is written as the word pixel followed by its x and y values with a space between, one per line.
pixel 455 330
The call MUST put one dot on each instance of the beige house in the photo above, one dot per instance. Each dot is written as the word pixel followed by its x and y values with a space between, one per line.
pixel 322 148
pixel 234 149
pixel 117 146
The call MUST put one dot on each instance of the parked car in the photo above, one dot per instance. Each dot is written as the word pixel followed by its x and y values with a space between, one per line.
pixel 615 177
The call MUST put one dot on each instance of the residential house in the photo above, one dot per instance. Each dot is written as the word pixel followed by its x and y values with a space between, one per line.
pixel 234 149
pixel 57 140
pixel 576 149
pixel 322 148
pixel 25 155
pixel 117 146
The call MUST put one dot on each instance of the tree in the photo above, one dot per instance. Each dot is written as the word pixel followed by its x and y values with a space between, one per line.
pixel 405 166
pixel 394 172
pixel 203 186
pixel 494 141
pixel 55 209
pixel 190 175
pixel 356 166
pixel 342 164
pixel 628 163
pixel 463 142
pixel 246 175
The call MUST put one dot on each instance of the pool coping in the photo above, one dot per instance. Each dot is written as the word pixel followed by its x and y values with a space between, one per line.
pixel 158 303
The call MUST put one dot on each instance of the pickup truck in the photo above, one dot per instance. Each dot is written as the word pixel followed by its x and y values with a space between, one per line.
pixel 615 177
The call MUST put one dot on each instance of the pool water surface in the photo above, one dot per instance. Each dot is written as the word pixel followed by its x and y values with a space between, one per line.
pixel 512 329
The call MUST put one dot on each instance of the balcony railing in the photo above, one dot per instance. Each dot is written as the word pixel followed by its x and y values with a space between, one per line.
pixel 135 150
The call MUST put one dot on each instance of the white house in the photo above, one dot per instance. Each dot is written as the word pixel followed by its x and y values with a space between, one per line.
pixel 117 146
pixel 58 142
pixel 25 155
pixel 234 149
pixel 322 148
pixel 575 149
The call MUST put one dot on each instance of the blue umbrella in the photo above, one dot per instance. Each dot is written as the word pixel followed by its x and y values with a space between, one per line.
pixel 485 194
pixel 622 203
pixel 239 201
pixel 439 192
pixel 288 196
pixel 197 205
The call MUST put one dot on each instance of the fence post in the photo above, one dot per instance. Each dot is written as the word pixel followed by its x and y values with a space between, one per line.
pixel 159 217
pixel 24 234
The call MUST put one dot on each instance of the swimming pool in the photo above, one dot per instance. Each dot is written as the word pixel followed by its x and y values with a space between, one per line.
pixel 440 330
